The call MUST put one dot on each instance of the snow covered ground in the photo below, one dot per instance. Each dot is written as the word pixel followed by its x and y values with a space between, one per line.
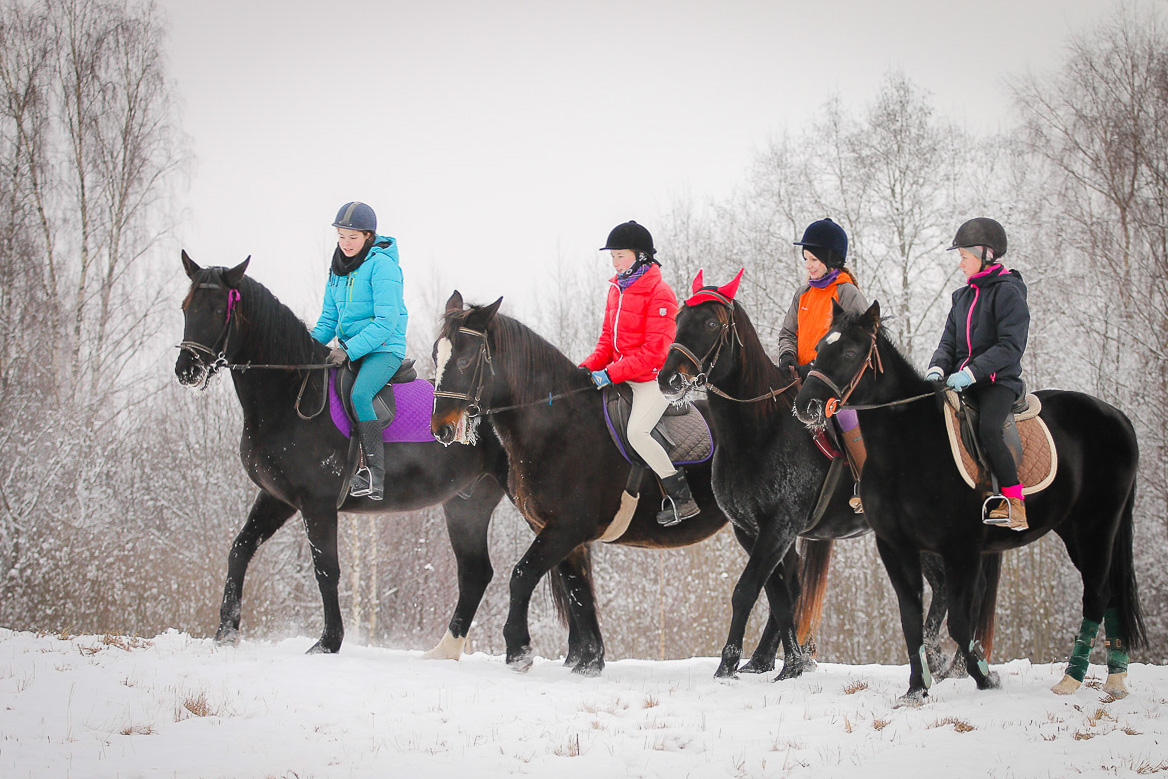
pixel 109 706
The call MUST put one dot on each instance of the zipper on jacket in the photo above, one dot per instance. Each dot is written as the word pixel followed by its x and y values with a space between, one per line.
pixel 969 326
pixel 620 301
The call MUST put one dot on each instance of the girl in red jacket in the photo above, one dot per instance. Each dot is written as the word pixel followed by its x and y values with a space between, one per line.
pixel 639 325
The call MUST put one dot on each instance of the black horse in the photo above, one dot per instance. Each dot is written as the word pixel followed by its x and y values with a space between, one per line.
pixel 299 464
pixel 767 471
pixel 565 474
pixel 916 500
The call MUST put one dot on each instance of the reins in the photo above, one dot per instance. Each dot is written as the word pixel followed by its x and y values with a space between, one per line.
pixel 839 402
pixel 479 379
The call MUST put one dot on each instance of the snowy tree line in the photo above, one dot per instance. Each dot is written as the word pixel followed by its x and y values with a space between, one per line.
pixel 120 492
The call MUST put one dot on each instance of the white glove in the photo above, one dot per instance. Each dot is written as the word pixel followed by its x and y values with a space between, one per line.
pixel 934 374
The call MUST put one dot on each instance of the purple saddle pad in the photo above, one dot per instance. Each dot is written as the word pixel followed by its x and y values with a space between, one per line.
pixel 411 423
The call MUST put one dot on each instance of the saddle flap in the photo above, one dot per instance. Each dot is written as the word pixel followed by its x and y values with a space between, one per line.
pixel 1027 437
pixel 684 434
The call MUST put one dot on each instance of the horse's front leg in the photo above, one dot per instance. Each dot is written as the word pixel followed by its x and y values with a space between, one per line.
pixel 782 592
pixel 904 572
pixel 320 522
pixel 267 515
pixel 765 555
pixel 962 572
pixel 553 543
pixel 467 522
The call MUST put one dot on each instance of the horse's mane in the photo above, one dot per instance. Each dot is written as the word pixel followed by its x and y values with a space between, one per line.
pixel 756 372
pixel 275 334
pixel 532 366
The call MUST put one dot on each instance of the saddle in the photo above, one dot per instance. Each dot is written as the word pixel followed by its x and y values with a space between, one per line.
pixel 384 403
pixel 1027 437
pixel 682 431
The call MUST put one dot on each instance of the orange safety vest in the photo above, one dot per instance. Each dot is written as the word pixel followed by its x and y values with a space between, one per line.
pixel 815 315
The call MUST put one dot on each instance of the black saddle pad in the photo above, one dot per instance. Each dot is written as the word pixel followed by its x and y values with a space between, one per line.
pixel 383 402
pixel 682 431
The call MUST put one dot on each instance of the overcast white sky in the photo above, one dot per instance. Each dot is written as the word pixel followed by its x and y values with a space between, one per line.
pixel 493 138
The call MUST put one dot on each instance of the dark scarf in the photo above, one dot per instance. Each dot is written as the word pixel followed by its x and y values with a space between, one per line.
pixel 825 279
pixel 343 266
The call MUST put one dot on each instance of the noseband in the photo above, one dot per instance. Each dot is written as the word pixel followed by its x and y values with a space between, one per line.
pixel 872 360
pixel 478 379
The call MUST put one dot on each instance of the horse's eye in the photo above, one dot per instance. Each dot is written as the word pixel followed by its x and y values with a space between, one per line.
pixel 851 354
pixel 713 324
pixel 462 363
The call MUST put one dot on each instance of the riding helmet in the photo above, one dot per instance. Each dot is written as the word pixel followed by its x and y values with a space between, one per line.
pixel 830 239
pixel 356 216
pixel 630 235
pixel 981 231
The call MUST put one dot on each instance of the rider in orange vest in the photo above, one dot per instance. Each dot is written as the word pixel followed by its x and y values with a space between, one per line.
pixel 825 248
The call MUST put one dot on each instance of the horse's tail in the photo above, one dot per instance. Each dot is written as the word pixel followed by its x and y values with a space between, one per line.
pixel 812 578
pixel 582 556
pixel 1124 594
pixel 983 630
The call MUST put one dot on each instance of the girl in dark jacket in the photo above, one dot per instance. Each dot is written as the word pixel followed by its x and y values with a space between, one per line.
pixel 981 351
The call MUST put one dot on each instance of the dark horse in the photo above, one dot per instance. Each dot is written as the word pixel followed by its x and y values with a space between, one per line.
pixel 299 464
pixel 767 471
pixel 916 500
pixel 565 474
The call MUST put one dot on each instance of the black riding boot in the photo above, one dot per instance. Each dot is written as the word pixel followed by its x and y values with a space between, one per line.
pixel 679 503
pixel 373 484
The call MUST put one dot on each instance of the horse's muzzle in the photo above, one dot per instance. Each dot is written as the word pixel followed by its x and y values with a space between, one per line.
pixel 674 386
pixel 811 414
pixel 443 434
pixel 190 371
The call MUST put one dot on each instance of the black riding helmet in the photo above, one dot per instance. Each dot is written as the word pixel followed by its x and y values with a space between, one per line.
pixel 981 231
pixel 827 241
pixel 632 236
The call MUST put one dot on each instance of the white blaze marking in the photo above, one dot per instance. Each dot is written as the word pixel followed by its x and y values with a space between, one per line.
pixel 832 337
pixel 445 348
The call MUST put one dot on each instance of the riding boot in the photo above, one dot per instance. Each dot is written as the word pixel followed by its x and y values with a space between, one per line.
pixel 680 500
pixel 857 454
pixel 1009 513
pixel 371 443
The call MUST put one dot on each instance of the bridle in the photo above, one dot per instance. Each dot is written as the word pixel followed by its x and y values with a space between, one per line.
pixel 214 357
pixel 728 331
pixel 478 379
pixel 871 361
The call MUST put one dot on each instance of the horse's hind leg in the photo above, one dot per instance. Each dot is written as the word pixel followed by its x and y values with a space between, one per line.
pixel 320 522
pixel 962 572
pixel 267 515
pixel 577 600
pixel 467 522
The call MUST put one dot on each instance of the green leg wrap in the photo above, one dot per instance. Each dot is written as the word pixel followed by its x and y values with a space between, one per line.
pixel 1077 667
pixel 1116 646
pixel 979 653
pixel 925 668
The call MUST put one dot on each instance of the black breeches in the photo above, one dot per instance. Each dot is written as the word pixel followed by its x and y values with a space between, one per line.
pixel 994 402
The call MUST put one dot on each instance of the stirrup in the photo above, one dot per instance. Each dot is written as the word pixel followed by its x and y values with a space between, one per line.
pixel 996 521
pixel 676 520
pixel 854 501
pixel 359 492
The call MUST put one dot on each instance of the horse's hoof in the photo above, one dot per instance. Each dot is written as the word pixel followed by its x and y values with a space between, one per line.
pixel 1067 686
pixel 789 671
pixel 1115 686
pixel 520 661
pixel 319 648
pixel 449 648
pixel 992 682
pixel 725 672
pixel 227 636
pixel 756 667
pixel 912 699
pixel 591 668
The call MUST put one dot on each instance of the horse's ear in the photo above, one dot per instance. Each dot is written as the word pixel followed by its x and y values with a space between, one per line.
pixel 232 278
pixel 189 265
pixel 837 310
pixel 454 303
pixel 488 312
pixel 698 283
pixel 870 320
pixel 731 289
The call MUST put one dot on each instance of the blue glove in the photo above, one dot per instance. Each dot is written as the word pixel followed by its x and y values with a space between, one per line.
pixel 600 379
pixel 959 380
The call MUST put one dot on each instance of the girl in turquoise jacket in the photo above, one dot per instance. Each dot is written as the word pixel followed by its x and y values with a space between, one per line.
pixel 365 311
